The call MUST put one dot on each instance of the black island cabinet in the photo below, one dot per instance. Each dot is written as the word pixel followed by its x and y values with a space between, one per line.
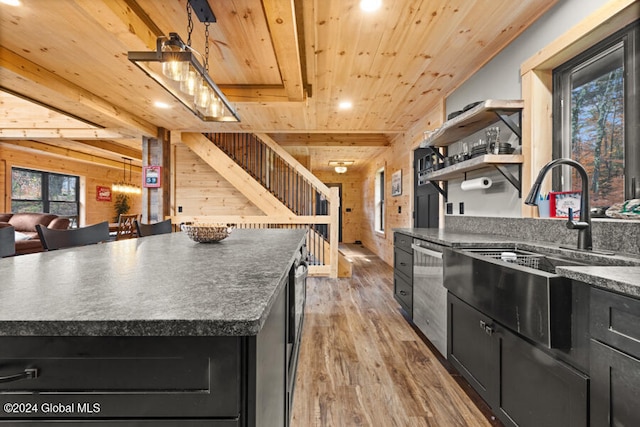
pixel 174 346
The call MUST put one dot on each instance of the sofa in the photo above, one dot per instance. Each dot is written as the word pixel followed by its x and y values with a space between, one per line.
pixel 27 240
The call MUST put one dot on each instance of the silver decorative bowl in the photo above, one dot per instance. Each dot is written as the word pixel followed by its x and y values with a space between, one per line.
pixel 207 233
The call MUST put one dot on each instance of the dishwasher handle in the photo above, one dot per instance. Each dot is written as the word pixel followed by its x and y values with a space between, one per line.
pixel 426 251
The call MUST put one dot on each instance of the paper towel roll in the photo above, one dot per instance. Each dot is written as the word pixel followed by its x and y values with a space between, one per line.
pixel 476 184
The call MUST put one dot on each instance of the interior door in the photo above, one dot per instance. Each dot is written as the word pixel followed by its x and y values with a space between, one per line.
pixel 426 197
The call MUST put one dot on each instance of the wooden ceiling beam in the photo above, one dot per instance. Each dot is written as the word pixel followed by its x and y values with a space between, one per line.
pixel 255 93
pixel 114 148
pixel 25 77
pixel 59 150
pixel 331 139
pixel 281 18
pixel 43 133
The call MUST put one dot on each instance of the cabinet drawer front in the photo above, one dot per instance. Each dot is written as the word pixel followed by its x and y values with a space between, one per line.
pixel 615 320
pixel 403 293
pixel 403 262
pixel 402 241
pixel 122 377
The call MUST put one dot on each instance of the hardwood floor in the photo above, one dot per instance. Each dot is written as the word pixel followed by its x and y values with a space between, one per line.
pixel 362 364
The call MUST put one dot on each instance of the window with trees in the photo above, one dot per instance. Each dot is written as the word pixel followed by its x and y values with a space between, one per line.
pixel 38 191
pixel 597 116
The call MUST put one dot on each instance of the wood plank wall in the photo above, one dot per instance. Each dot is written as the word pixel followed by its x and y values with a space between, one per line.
pixel 202 191
pixel 91 176
pixel 398 209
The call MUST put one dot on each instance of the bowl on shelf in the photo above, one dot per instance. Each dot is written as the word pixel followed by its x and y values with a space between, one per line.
pixel 207 233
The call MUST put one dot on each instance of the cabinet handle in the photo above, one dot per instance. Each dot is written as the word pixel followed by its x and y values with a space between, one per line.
pixel 488 329
pixel 28 374
pixel 403 264
pixel 403 293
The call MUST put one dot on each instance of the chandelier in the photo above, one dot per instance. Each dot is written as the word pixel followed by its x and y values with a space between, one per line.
pixel 175 66
pixel 125 186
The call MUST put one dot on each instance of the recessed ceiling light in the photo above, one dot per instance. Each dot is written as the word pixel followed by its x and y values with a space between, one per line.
pixel 161 104
pixel 345 105
pixel 11 2
pixel 370 5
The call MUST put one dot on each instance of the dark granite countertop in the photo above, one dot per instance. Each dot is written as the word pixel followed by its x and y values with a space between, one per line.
pixel 618 273
pixel 624 279
pixel 165 285
pixel 455 239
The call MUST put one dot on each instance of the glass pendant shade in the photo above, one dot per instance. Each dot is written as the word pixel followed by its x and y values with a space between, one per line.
pixel 189 84
pixel 202 96
pixel 174 68
pixel 216 107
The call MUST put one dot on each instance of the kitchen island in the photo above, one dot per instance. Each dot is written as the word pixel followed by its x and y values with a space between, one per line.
pixel 152 331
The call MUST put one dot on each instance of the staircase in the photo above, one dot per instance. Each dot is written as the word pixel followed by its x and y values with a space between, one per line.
pixel 288 194
pixel 271 170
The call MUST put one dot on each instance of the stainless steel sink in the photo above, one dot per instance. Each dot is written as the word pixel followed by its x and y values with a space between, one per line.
pixel 515 287
pixel 529 259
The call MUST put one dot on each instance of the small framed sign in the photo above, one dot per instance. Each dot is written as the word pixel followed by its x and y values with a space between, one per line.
pixel 396 183
pixel 151 176
pixel 561 201
pixel 103 194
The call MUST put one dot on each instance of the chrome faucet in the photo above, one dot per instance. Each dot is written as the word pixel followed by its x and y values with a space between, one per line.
pixel 583 226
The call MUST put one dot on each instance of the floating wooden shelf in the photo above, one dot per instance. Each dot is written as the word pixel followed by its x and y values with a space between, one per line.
pixel 472 164
pixel 473 120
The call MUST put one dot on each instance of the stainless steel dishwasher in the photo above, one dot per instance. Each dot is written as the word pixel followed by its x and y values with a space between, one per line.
pixel 429 293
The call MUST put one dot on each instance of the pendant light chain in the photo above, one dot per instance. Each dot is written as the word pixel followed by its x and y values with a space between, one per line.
pixel 189 24
pixel 206 47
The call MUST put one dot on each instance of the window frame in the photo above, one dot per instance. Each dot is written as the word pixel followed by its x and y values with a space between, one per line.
pixel 379 201
pixel 44 183
pixel 629 37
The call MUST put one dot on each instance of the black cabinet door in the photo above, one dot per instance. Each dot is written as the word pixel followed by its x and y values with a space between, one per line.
pixel 537 389
pixel 473 348
pixel 615 387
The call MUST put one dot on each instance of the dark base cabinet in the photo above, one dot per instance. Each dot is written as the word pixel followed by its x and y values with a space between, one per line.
pixel 537 389
pixel 403 272
pixel 615 387
pixel 524 385
pixel 615 359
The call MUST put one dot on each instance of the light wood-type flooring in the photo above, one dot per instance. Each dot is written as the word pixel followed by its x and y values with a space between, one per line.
pixel 362 364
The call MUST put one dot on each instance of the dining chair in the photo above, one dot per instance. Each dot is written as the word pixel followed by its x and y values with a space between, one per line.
pixel 126 226
pixel 7 240
pixel 161 227
pixel 57 239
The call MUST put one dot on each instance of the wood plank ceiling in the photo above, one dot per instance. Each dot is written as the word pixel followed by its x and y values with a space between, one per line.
pixel 284 64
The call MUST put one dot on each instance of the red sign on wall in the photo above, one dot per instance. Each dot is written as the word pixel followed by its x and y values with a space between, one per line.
pixel 103 194
pixel 151 176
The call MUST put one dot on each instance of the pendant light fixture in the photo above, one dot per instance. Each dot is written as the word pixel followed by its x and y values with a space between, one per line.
pixel 175 66
pixel 340 166
pixel 125 186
